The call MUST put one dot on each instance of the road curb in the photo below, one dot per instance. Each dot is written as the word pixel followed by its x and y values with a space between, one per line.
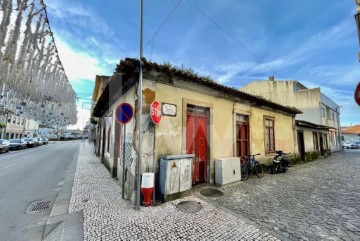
pixel 62 225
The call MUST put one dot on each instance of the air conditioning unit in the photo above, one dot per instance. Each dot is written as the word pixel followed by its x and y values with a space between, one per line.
pixel 227 170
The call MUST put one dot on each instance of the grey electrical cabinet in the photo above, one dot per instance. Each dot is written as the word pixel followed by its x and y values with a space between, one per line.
pixel 175 174
pixel 227 170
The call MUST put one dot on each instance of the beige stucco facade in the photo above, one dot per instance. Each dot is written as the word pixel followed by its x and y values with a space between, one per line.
pixel 316 107
pixel 171 132
pixel 221 110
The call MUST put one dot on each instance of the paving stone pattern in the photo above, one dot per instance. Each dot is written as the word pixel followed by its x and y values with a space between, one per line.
pixel 319 200
pixel 108 217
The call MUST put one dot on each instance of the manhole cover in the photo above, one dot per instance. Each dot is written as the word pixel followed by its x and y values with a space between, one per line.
pixel 189 206
pixel 39 206
pixel 211 192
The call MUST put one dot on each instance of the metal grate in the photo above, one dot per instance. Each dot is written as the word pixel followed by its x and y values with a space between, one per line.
pixel 128 154
pixel 211 192
pixel 39 206
pixel 189 206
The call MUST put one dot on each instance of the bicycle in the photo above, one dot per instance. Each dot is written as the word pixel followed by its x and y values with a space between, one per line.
pixel 250 165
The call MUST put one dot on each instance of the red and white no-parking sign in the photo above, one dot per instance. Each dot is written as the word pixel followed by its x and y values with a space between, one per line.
pixel 155 112
pixel 357 94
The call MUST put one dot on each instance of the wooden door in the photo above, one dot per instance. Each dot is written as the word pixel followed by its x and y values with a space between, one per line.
pixel 242 139
pixel 197 142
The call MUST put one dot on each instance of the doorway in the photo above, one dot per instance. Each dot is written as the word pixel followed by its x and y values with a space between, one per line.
pixel 197 141
pixel 242 135
pixel 301 145
pixel 103 144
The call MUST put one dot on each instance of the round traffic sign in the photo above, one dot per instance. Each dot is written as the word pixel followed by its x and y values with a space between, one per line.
pixel 124 113
pixel 357 94
pixel 155 112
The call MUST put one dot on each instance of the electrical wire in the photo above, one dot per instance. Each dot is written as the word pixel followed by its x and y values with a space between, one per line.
pixel 230 35
pixel 163 23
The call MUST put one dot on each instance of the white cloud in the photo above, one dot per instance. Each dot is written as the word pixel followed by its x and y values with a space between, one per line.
pixel 83 117
pixel 328 38
pixel 78 64
pixel 79 15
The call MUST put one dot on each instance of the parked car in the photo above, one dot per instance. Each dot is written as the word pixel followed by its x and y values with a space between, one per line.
pixel 348 145
pixel 30 142
pixel 45 140
pixel 4 145
pixel 17 144
pixel 357 145
pixel 39 141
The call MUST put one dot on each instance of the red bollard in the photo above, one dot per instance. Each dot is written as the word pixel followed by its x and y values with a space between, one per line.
pixel 147 187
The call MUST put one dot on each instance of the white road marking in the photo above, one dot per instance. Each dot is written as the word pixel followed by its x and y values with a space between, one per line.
pixel 10 165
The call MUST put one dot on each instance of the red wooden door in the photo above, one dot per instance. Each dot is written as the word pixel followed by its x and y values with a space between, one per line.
pixel 242 139
pixel 197 143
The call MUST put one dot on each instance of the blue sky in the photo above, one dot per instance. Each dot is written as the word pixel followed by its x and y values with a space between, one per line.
pixel 314 42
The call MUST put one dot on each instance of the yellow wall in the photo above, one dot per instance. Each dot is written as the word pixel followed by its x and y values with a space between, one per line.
pixel 171 132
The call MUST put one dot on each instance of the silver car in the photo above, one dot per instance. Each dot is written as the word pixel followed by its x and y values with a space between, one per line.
pixel 4 145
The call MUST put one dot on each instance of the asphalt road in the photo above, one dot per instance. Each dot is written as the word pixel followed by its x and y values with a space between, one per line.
pixel 27 176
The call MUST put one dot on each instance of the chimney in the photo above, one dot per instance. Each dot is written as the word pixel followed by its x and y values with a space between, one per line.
pixel 271 78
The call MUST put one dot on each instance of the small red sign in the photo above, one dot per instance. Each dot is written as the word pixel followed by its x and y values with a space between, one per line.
pixel 357 94
pixel 155 112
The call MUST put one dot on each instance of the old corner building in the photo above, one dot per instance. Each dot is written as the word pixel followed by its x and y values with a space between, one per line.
pixel 200 117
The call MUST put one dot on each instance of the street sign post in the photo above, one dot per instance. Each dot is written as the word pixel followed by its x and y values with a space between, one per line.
pixel 124 113
pixel 357 94
pixel 155 112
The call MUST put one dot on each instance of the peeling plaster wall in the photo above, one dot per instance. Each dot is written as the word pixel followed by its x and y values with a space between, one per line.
pixel 131 143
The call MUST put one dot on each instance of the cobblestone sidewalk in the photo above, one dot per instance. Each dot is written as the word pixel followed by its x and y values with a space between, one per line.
pixel 318 200
pixel 108 217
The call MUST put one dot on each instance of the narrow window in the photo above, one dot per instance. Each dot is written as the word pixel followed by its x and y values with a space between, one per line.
pixel 322 112
pixel 269 136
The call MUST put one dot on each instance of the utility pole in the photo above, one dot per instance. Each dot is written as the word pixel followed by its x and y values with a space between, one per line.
pixel 140 109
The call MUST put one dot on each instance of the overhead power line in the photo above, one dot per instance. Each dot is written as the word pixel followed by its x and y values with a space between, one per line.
pixel 163 23
pixel 230 35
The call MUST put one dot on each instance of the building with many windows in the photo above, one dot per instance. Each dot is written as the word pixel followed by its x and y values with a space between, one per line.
pixel 19 127
pixel 15 127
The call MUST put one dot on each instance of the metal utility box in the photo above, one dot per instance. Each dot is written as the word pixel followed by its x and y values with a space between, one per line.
pixel 227 170
pixel 175 174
